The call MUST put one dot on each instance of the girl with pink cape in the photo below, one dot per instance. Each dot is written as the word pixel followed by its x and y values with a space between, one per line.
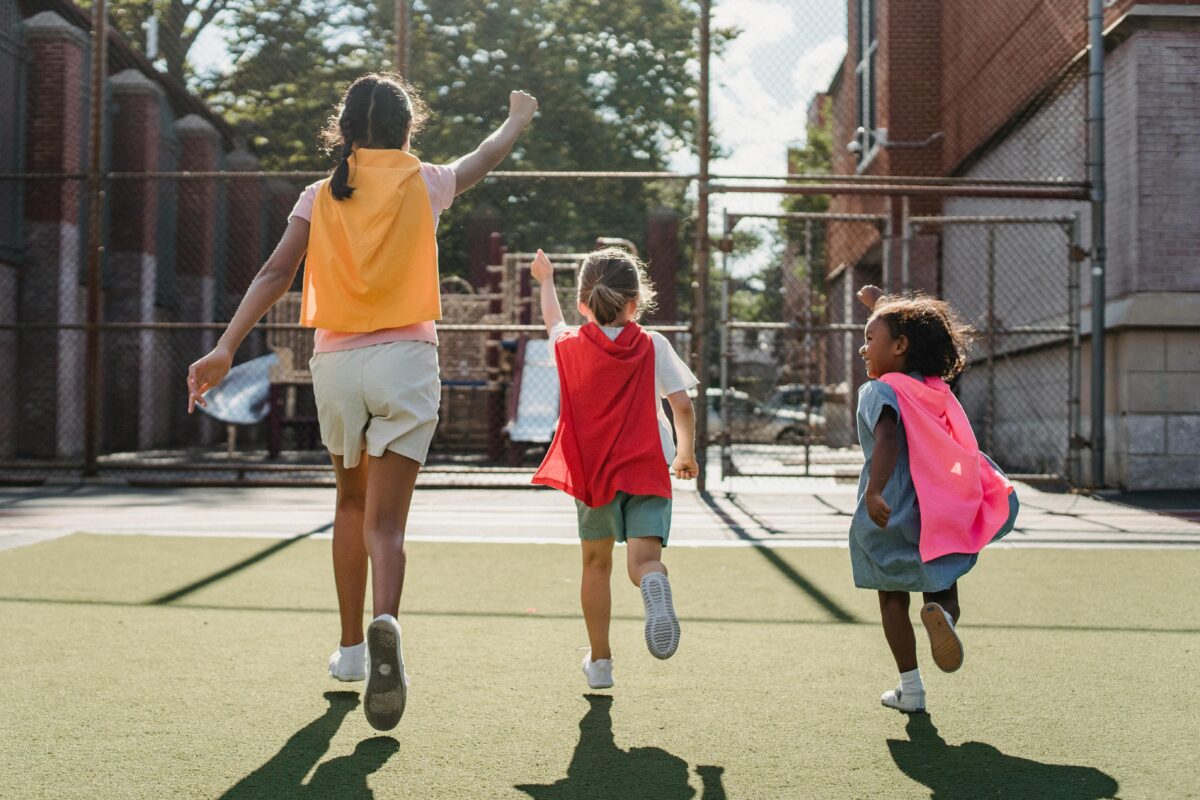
pixel 928 500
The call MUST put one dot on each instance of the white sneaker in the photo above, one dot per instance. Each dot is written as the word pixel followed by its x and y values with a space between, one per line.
pixel 349 663
pixel 598 672
pixel 387 684
pixel 908 702
pixel 662 626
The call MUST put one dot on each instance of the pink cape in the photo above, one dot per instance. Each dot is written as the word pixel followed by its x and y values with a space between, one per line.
pixel 963 498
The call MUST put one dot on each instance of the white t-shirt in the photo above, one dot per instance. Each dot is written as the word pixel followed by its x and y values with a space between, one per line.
pixel 671 375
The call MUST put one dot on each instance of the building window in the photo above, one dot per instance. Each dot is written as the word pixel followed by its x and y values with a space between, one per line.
pixel 868 49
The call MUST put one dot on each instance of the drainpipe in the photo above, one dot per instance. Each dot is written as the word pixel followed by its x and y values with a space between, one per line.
pixel 1095 123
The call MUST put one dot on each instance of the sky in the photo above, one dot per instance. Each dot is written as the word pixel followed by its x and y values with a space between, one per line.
pixel 761 87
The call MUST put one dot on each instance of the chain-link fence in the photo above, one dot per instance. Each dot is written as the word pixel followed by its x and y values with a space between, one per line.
pixel 865 116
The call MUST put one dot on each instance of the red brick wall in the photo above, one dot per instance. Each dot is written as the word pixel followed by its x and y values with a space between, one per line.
pixel 54 125
pixel 195 233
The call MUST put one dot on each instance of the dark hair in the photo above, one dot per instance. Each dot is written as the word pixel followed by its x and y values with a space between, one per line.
pixel 937 339
pixel 609 279
pixel 379 110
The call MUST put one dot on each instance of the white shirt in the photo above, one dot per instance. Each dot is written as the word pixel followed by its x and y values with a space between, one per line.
pixel 671 375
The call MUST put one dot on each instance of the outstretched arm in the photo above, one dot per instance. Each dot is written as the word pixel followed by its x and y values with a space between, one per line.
pixel 543 272
pixel 270 284
pixel 471 168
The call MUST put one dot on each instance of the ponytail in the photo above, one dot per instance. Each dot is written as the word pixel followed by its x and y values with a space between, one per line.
pixel 377 111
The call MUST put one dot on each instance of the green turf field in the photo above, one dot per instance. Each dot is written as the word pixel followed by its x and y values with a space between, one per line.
pixel 173 667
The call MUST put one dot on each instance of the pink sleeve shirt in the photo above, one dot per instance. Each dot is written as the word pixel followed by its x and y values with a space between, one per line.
pixel 440 181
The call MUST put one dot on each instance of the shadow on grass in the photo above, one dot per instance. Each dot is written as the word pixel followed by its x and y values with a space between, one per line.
pixel 808 587
pixel 974 769
pixel 344 777
pixel 233 569
pixel 600 770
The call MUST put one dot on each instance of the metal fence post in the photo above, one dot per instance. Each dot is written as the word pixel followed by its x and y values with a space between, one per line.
pixel 808 348
pixel 991 340
pixel 95 236
pixel 1074 300
pixel 906 235
pixel 700 284
pixel 726 354
pixel 1099 256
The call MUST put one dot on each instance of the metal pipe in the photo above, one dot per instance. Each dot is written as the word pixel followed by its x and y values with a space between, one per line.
pixel 916 190
pixel 885 254
pixel 905 248
pixel 902 180
pixel 402 37
pixel 991 220
pixel 96 142
pixel 726 354
pixel 865 180
pixel 1099 254
pixel 990 414
pixel 700 283
pixel 808 348
pixel 1075 368
pixel 877 219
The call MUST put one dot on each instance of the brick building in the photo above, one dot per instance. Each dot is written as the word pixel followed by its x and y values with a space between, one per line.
pixel 172 246
pixel 998 91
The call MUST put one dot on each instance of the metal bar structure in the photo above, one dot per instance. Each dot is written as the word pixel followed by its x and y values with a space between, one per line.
pixel 912 190
pixel 820 178
pixel 1074 410
pixel 990 413
pixel 401 55
pixel 700 279
pixel 808 344
pixel 1068 333
pixel 1095 155
pixel 726 352
pixel 96 198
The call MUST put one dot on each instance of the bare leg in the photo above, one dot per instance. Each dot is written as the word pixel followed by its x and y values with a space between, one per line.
pixel 349 548
pixel 595 594
pixel 390 484
pixel 644 556
pixel 947 599
pixel 897 627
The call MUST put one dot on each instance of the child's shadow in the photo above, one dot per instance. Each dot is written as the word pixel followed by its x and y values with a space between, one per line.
pixel 975 769
pixel 342 777
pixel 599 769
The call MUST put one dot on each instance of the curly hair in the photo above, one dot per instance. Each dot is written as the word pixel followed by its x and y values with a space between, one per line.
pixel 609 279
pixel 938 340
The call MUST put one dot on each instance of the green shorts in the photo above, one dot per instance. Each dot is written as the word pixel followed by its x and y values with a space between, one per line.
pixel 626 515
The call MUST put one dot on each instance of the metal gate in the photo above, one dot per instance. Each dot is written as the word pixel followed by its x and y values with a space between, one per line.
pixel 788 385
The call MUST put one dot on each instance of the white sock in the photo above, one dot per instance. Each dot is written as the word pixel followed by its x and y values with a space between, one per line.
pixel 910 682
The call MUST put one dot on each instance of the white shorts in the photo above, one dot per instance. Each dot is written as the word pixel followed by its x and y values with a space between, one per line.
pixel 378 398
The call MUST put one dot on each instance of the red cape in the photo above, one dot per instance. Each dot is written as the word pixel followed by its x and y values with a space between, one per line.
pixel 607 437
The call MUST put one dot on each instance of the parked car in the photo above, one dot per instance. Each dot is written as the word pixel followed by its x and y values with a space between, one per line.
pixel 795 396
pixel 752 422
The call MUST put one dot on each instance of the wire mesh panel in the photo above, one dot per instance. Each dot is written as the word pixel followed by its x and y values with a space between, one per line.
pixel 1016 280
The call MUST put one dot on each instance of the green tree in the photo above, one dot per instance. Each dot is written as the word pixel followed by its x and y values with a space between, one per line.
pixel 615 82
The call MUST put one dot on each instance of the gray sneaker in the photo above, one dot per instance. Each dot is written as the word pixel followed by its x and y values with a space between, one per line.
pixel 662 626
pixel 387 685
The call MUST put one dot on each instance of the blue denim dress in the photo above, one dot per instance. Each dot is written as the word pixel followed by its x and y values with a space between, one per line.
pixel 889 559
